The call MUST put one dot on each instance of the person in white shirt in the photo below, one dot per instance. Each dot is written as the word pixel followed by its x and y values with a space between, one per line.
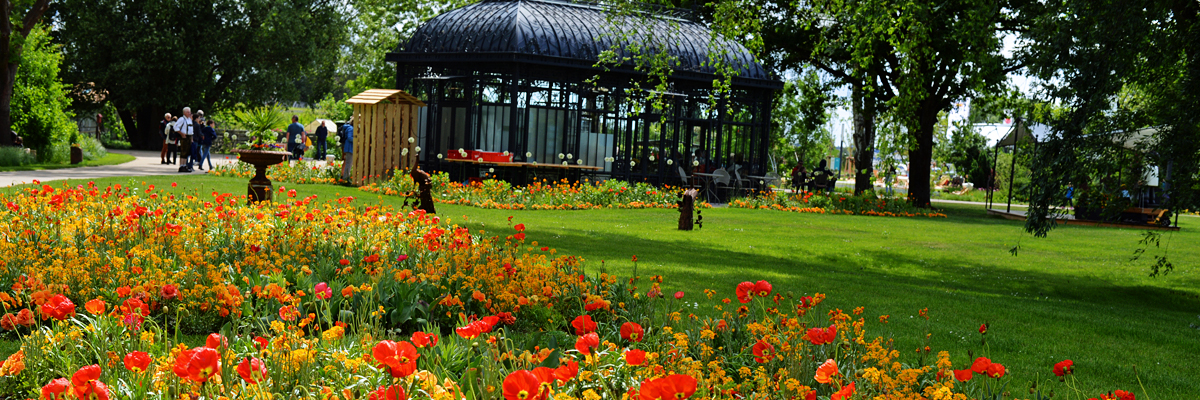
pixel 185 128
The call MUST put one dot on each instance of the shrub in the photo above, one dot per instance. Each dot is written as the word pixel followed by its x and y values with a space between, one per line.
pixel 40 102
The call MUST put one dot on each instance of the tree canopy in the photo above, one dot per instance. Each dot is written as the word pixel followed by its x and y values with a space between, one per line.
pixel 152 56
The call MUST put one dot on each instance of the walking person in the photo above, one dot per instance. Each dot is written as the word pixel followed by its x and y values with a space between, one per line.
pixel 186 128
pixel 197 138
pixel 164 128
pixel 172 141
pixel 295 133
pixel 347 149
pixel 206 141
pixel 321 144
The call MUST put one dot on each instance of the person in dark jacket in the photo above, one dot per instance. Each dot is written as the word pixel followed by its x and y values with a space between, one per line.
pixel 320 144
pixel 209 133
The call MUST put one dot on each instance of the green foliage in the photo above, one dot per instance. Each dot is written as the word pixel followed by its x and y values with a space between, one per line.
pixel 261 123
pixel 334 108
pixel 968 151
pixel 1020 180
pixel 798 128
pixel 39 103
pixel 377 28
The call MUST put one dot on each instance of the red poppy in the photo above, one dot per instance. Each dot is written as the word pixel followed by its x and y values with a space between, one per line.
pixel 56 389
pixel 995 370
pixel 400 358
pixel 506 318
pixel 519 227
pixel 583 324
pixel 980 365
pixel 467 332
pixel 963 375
pixel 1122 395
pixel 58 307
pixel 762 289
pixel 95 306
pixel 763 351
pixel 204 363
pixel 252 370
pixel 181 363
pixel 522 385
pixel 402 257
pixel 94 390
pixel 8 322
pixel 169 292
pixel 123 291
pixel 344 262
pixel 632 332
pixel 587 342
pixel 422 339
pixel 679 295
pixel 596 304
pixel 1064 367
pixel 818 336
pixel 635 357
pixel 669 387
pixel 519 236
pixel 983 328
pixel 81 379
pixel 137 361
pixel 745 292
pixel 566 371
pixel 261 342
pixel 843 394
pixel 827 371
pixel 214 341
pixel 545 375
pixel 135 306
pixel 394 392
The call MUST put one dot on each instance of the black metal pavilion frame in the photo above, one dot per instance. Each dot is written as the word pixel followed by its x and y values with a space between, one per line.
pixel 541 108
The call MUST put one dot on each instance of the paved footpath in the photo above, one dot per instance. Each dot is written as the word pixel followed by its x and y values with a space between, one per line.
pixel 145 163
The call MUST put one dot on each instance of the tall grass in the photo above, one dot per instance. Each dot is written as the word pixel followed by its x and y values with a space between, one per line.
pixel 11 156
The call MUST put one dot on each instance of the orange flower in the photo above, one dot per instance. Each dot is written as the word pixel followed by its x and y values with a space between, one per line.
pixel 422 339
pixel 95 306
pixel 214 341
pixel 818 336
pixel 587 342
pixel 522 385
pixel 583 324
pixel 252 370
pixel 137 361
pixel 632 332
pixel 827 371
pixel 764 352
pixel 635 357
pixel 845 393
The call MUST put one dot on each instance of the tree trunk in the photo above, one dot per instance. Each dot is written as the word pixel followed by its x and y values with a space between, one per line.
pixel 920 156
pixel 863 108
pixel 129 124
pixel 7 80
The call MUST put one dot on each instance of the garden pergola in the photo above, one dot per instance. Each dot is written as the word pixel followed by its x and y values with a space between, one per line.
pixel 522 76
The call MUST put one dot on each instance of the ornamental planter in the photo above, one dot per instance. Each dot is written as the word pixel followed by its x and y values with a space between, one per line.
pixel 260 188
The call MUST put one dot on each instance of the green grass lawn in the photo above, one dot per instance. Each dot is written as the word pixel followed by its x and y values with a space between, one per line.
pixel 108 159
pixel 1074 295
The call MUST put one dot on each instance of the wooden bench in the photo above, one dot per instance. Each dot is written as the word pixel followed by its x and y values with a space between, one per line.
pixel 1154 216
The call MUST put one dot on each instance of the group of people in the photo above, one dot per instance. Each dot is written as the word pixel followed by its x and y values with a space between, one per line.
pixel 819 179
pixel 188 137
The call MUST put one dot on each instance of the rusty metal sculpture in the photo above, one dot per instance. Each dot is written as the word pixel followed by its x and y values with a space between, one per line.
pixel 687 206
pixel 424 186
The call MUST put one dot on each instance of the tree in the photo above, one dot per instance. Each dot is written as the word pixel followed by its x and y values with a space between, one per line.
pixel 152 56
pixel 1116 66
pixel 913 59
pixel 39 103
pixel 23 15
pixel 799 118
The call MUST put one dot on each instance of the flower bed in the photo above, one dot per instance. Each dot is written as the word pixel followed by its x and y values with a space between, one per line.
pixel 305 299
pixel 298 172
pixel 540 195
pixel 835 203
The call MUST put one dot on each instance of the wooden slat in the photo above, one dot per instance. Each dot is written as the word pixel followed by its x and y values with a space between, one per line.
pixel 398 133
pixel 380 144
pixel 410 129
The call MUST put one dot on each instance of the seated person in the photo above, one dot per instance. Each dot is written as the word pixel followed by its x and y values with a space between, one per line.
pixel 799 176
pixel 822 178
